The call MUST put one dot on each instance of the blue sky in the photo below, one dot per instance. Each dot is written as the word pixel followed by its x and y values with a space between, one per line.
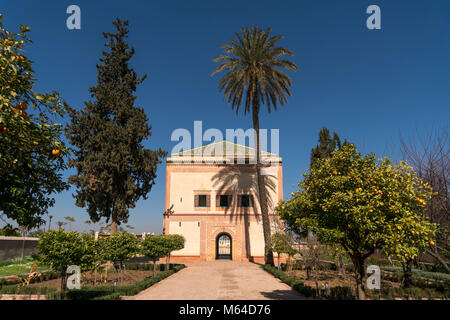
pixel 367 85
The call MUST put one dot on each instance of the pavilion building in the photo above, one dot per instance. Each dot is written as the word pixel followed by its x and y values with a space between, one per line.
pixel 212 200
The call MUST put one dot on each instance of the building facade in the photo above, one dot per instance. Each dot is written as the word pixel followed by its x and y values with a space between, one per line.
pixel 213 202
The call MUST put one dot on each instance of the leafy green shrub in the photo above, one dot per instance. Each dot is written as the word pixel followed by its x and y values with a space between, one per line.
pixel 279 274
pixel 341 293
pixel 432 267
pixel 307 291
pixel 119 247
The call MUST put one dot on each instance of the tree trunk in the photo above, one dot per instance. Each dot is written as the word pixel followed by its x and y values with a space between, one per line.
pixel 341 269
pixel 358 264
pixel 407 273
pixel 63 285
pixel 114 221
pixel 268 254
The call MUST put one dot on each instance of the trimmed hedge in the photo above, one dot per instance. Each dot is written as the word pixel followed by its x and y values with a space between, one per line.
pixel 14 289
pixel 147 266
pixel 412 293
pixel 420 273
pixel 114 292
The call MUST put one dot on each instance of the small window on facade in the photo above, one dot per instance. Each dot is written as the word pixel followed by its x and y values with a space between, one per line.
pixel 202 200
pixel 245 200
pixel 224 201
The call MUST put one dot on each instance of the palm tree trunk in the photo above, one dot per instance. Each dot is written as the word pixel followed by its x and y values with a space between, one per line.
pixel 268 254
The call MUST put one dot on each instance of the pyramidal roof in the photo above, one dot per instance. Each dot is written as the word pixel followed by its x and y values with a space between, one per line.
pixel 222 148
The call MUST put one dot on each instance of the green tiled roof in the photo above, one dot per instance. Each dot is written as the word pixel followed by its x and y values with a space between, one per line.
pixel 239 150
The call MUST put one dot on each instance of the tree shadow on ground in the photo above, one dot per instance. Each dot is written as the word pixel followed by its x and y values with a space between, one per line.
pixel 282 295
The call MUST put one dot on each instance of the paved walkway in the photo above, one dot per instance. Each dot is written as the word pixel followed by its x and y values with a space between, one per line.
pixel 219 280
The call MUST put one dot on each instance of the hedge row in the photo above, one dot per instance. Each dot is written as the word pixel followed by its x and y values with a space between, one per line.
pixel 335 293
pixel 147 266
pixel 114 292
pixel 14 289
pixel 412 293
pixel 420 273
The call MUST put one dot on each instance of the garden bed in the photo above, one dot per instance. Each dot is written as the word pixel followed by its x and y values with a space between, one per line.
pixel 91 279
pixel 342 286
pixel 334 279
pixel 136 277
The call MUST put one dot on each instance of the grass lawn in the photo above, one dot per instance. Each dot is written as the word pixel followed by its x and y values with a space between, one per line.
pixel 14 267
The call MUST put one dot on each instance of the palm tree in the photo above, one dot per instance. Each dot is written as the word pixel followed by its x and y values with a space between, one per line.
pixel 253 64
pixel 49 222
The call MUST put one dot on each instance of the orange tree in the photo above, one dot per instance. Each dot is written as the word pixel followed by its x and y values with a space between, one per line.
pixel 362 204
pixel 31 149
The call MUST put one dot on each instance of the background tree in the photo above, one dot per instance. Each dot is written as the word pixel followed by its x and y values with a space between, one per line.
pixel 9 231
pixel 113 168
pixel 31 148
pixel 90 254
pixel 312 253
pixel 429 156
pixel 119 247
pixel 61 224
pixel 70 220
pixel 282 243
pixel 49 222
pixel 175 242
pixel 253 64
pixel 155 247
pixel 60 249
pixel 327 145
pixel 362 204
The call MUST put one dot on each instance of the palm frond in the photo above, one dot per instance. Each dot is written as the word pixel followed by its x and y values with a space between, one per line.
pixel 253 67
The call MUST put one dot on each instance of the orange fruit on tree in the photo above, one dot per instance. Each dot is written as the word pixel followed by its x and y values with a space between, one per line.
pixel 3 130
pixel 21 58
pixel 432 243
pixel 23 106
pixel 55 152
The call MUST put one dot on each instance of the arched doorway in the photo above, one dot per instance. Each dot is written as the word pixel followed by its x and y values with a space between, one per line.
pixel 223 246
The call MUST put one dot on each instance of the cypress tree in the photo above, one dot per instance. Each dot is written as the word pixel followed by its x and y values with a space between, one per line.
pixel 327 145
pixel 113 168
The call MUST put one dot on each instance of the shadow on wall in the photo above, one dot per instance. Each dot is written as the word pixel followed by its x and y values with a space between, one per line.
pixel 230 180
